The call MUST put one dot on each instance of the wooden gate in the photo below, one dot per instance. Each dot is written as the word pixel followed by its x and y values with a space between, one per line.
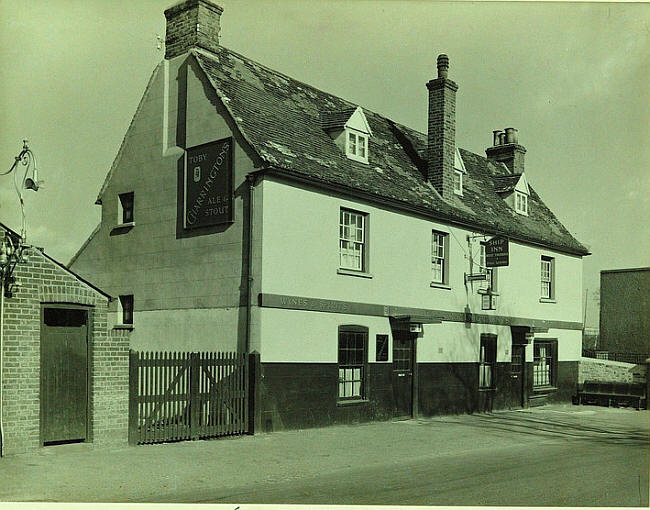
pixel 178 396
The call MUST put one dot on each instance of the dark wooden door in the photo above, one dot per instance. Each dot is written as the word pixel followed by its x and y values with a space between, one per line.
pixel 64 374
pixel 403 361
pixel 517 375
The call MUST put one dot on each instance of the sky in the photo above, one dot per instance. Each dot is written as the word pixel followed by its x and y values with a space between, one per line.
pixel 571 77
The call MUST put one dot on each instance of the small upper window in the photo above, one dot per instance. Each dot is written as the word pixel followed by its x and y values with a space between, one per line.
pixel 357 146
pixel 125 208
pixel 126 309
pixel 521 203
pixel 458 182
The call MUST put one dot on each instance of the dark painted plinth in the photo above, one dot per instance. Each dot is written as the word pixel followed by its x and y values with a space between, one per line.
pixel 305 395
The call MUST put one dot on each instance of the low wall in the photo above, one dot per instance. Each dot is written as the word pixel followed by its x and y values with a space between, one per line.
pixel 591 369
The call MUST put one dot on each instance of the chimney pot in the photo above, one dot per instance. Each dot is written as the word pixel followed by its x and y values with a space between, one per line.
pixel 502 138
pixel 443 66
pixel 511 135
pixel 495 140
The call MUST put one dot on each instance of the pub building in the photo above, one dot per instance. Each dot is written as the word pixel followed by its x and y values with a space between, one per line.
pixel 378 271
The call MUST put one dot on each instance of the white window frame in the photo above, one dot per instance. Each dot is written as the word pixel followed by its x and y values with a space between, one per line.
pixel 356 145
pixel 544 363
pixel 352 372
pixel 352 240
pixel 487 361
pixel 439 257
pixel 547 278
pixel 487 287
pixel 521 203
pixel 458 180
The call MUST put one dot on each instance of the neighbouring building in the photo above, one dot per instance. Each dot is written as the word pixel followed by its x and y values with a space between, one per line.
pixel 248 211
pixel 625 311
pixel 63 375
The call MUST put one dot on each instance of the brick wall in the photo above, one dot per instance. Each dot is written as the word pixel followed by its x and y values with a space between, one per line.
pixel 40 280
pixel 192 23
pixel 591 369
pixel 441 145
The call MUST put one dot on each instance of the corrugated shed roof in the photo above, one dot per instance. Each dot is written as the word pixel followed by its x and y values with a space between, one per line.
pixel 282 119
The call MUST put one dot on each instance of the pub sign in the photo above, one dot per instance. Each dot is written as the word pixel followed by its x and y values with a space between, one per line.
pixel 497 252
pixel 208 185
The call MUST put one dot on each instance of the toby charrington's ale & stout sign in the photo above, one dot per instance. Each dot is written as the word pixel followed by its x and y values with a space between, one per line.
pixel 208 184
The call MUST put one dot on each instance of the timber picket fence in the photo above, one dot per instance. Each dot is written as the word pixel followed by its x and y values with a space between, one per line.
pixel 175 396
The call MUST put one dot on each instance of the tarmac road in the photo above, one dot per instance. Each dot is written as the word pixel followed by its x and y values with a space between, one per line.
pixel 563 464
pixel 551 473
pixel 551 456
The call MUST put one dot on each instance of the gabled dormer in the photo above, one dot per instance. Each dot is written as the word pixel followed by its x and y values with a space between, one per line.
pixel 350 131
pixel 514 190
pixel 459 172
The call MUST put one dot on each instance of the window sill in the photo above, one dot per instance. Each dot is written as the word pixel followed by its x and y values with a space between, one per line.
pixel 547 300
pixel 123 227
pixel 352 272
pixel 544 389
pixel 344 403
pixel 123 326
pixel 437 285
pixel 487 389
pixel 485 291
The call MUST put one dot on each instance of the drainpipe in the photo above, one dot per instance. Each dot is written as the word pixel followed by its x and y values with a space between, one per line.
pixel 250 179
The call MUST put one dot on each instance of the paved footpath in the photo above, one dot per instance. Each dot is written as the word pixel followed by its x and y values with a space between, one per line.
pixel 297 466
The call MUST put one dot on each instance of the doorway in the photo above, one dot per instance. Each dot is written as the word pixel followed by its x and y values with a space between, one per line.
pixel 64 374
pixel 403 364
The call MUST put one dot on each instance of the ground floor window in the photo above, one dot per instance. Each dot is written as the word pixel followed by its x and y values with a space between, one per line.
pixel 353 341
pixel 544 362
pixel 487 361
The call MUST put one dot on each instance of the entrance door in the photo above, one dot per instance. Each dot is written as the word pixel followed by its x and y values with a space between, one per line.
pixel 517 374
pixel 64 375
pixel 403 360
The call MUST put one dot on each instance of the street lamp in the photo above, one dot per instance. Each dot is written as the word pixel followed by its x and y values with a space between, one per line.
pixel 12 247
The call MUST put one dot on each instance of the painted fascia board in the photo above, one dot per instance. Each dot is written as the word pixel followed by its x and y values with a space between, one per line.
pixel 458 162
pixel 358 122
pixel 522 185
pixel 120 151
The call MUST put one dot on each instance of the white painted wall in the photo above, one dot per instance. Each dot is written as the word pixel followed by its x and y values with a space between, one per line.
pixel 300 257
pixel 298 336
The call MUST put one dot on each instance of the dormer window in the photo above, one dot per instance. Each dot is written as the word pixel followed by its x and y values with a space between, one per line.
pixel 350 131
pixel 357 147
pixel 521 203
pixel 459 170
pixel 458 182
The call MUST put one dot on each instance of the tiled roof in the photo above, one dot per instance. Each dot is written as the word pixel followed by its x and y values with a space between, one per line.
pixel 505 183
pixel 331 120
pixel 282 120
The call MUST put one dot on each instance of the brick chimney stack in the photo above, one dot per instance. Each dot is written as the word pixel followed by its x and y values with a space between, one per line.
pixel 441 143
pixel 506 149
pixel 192 23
